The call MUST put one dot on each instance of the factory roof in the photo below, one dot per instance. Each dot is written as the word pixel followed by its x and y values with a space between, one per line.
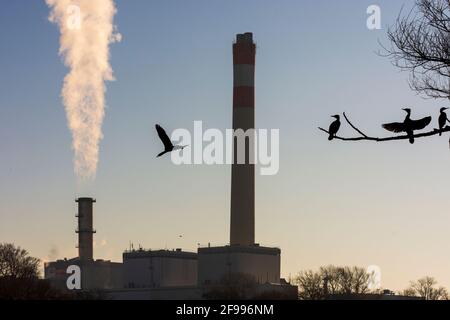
pixel 256 249
pixel 142 253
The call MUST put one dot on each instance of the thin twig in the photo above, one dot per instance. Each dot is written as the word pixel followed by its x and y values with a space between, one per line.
pixel 356 129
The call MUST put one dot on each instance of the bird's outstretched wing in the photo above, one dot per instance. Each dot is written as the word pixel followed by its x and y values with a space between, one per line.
pixel 421 123
pixel 164 137
pixel 394 127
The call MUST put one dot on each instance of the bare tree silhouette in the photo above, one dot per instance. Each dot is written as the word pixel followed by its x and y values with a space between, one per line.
pixel 420 44
pixel 332 280
pixel 425 288
pixel 19 278
pixel 16 263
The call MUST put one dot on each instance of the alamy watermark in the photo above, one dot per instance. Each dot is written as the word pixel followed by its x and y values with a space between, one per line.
pixel 73 281
pixel 375 277
pixel 374 20
pixel 213 147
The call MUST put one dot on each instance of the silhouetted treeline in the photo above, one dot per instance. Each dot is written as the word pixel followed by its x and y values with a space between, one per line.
pixel 332 280
pixel 19 278
pixel 426 288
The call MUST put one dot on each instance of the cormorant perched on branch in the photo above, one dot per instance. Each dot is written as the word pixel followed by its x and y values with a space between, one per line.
pixel 334 127
pixel 442 120
pixel 408 125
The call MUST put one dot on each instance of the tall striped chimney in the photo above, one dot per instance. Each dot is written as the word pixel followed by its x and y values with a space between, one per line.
pixel 85 228
pixel 242 227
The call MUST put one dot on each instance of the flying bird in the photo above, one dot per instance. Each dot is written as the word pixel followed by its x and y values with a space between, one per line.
pixel 408 125
pixel 168 145
pixel 442 120
pixel 334 127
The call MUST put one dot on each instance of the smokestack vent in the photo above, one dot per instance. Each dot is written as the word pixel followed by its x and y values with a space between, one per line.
pixel 245 38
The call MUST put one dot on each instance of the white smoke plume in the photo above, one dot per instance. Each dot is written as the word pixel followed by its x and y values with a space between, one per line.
pixel 87 30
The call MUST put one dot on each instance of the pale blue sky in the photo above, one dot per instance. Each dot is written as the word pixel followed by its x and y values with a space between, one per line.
pixel 331 203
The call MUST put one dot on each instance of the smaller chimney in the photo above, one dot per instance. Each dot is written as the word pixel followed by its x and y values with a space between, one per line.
pixel 85 228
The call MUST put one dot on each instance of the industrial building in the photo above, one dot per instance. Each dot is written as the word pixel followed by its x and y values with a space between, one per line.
pixel 260 262
pixel 159 269
pixel 95 274
pixel 176 274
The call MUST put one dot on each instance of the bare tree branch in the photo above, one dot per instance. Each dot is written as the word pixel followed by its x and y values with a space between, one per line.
pixel 355 128
pixel 391 138
pixel 420 43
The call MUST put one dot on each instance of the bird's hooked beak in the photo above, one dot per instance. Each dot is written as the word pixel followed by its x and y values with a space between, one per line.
pixel 443 109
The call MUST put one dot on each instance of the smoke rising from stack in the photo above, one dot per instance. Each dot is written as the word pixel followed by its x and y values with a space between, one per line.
pixel 87 30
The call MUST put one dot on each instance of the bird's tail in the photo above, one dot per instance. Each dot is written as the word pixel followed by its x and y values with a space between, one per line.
pixel 159 155
pixel 411 139
pixel 331 137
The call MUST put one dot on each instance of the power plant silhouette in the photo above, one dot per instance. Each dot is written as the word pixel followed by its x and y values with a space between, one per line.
pixel 176 274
